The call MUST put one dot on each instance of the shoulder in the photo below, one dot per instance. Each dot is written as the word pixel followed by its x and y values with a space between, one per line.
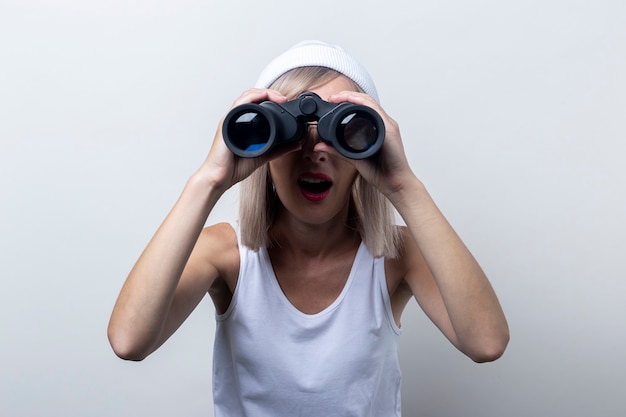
pixel 220 233
pixel 221 238
pixel 397 271
pixel 405 247
pixel 396 268
pixel 408 263
pixel 218 249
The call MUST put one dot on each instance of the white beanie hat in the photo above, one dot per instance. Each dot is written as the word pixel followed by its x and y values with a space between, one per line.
pixel 318 54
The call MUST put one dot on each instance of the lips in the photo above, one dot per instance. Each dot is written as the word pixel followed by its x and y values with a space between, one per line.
pixel 314 187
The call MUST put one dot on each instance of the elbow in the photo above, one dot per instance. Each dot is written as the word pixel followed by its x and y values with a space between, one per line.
pixel 486 347
pixel 124 347
pixel 490 350
pixel 485 355
pixel 127 355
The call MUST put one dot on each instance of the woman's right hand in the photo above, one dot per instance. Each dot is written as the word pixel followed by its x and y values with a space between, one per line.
pixel 222 168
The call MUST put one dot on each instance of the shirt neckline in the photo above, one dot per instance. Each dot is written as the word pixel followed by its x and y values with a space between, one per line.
pixel 269 269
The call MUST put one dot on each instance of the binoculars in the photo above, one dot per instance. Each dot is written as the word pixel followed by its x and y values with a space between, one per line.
pixel 355 131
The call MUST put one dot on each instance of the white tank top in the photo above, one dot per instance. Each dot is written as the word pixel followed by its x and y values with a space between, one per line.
pixel 272 360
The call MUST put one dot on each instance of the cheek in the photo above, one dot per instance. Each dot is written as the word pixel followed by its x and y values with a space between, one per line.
pixel 275 168
pixel 347 183
pixel 350 173
pixel 278 171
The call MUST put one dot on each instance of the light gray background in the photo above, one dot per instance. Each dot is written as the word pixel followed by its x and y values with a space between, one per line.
pixel 513 114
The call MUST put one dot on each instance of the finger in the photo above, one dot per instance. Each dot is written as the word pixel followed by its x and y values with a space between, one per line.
pixel 258 95
pixel 353 97
pixel 356 97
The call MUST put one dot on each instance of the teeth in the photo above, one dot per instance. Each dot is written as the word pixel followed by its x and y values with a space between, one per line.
pixel 313 180
pixel 315 185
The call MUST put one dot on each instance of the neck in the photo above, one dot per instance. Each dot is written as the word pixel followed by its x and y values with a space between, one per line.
pixel 287 233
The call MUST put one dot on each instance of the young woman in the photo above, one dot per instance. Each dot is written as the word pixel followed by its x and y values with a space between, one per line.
pixel 310 285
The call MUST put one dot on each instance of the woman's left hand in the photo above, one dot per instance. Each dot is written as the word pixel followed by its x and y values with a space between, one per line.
pixel 389 170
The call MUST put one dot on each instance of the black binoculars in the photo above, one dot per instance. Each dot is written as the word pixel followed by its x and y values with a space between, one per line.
pixel 355 131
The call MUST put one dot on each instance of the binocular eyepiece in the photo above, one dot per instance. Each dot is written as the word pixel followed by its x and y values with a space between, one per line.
pixel 355 131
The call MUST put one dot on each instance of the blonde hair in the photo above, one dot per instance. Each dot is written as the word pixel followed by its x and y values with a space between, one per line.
pixel 370 213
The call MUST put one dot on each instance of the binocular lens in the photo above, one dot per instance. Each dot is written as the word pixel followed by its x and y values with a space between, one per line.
pixel 249 131
pixel 357 131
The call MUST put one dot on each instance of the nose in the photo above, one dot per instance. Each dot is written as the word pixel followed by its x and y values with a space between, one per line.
pixel 313 147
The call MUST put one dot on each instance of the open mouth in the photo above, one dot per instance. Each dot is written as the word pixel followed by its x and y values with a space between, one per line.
pixel 314 187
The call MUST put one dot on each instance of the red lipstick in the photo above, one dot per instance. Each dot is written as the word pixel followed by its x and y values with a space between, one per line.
pixel 314 186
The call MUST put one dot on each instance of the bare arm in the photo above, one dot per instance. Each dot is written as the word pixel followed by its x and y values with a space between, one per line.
pixel 443 275
pixel 447 281
pixel 145 301
pixel 170 278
